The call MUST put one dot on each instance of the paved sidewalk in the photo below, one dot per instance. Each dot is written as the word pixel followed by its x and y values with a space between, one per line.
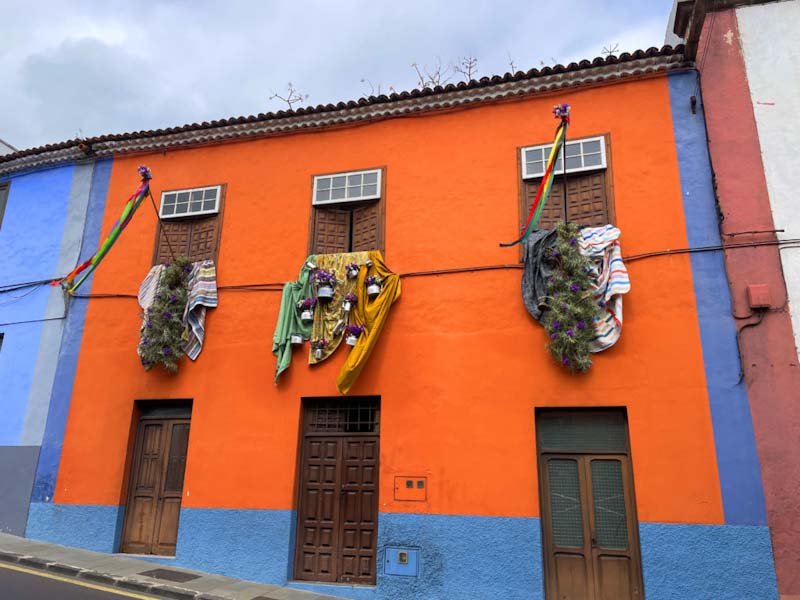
pixel 145 577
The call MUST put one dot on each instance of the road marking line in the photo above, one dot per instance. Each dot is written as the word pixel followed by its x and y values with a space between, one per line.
pixel 85 584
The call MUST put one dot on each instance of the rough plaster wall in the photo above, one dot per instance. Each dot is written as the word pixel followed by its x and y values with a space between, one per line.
pixel 770 38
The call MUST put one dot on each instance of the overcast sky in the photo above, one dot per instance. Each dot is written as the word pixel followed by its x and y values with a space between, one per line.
pixel 72 67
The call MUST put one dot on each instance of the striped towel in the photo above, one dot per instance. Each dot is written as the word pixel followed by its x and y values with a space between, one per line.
pixel 610 281
pixel 202 294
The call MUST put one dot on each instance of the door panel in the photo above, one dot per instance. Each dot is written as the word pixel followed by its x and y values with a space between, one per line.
pixel 156 487
pixel 337 514
pixel 571 577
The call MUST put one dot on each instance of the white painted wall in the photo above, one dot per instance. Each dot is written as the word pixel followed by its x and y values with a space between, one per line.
pixel 770 35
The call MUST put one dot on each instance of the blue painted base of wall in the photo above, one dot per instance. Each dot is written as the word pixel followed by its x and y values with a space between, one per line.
pixel 460 556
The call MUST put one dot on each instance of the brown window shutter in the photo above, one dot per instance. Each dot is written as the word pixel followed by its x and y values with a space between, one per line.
pixel 174 237
pixel 366 227
pixel 331 231
pixel 205 233
pixel 588 203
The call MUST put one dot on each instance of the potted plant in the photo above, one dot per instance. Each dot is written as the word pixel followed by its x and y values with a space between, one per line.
pixel 349 301
pixel 373 286
pixel 351 334
pixel 325 282
pixel 306 308
pixel 318 346
pixel 296 338
pixel 352 270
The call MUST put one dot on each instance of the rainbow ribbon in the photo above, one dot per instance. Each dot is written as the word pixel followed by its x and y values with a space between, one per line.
pixel 127 214
pixel 547 181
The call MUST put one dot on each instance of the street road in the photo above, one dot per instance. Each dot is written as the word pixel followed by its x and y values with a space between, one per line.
pixel 20 583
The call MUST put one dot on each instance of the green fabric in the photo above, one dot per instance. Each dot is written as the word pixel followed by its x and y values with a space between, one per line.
pixel 289 322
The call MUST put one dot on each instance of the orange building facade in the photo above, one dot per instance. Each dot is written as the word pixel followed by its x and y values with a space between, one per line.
pixel 460 376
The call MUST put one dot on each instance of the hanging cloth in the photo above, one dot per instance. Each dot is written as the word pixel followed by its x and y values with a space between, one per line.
pixel 289 322
pixel 127 214
pixel 372 315
pixel 329 317
pixel 202 284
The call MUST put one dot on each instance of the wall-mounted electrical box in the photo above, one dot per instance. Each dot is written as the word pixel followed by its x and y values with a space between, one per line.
pixel 411 488
pixel 401 561
pixel 758 295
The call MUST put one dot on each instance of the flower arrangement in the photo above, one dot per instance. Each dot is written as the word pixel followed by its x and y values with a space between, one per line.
pixel 318 346
pixel 561 111
pixel 352 270
pixel 373 285
pixel 325 282
pixel 569 320
pixel 351 334
pixel 306 308
pixel 349 301
pixel 161 339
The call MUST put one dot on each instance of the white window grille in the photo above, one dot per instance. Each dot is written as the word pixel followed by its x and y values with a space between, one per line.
pixel 347 187
pixel 587 154
pixel 190 203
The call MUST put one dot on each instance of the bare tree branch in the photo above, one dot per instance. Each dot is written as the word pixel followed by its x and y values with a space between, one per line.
pixel 511 64
pixel 467 66
pixel 429 77
pixel 292 97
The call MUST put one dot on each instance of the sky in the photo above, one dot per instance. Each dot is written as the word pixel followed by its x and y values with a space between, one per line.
pixel 80 68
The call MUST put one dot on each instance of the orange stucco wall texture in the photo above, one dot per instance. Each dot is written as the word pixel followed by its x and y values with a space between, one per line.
pixel 460 365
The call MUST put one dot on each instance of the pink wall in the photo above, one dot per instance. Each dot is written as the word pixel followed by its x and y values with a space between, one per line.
pixel 766 342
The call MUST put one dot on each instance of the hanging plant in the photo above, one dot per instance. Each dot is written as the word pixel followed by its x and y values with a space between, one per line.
pixel 569 320
pixel 352 270
pixel 349 301
pixel 318 346
pixel 325 282
pixel 351 334
pixel 306 309
pixel 162 335
pixel 373 286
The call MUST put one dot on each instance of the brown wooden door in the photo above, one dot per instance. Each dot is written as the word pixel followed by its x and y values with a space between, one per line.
pixel 337 520
pixel 590 537
pixel 156 487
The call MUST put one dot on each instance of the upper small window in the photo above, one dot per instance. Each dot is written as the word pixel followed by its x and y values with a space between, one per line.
pixel 190 203
pixel 347 187
pixel 582 155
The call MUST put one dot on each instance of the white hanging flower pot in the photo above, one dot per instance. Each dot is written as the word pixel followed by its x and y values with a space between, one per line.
pixel 325 292
pixel 352 273
pixel 318 353
pixel 296 339
pixel 347 306
pixel 307 316
pixel 350 340
pixel 373 290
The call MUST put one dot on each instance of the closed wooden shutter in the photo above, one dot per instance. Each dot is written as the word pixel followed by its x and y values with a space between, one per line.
pixel 331 231
pixel 587 199
pixel 197 239
pixel 366 227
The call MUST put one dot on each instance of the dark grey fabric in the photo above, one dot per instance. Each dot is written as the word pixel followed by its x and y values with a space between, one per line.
pixel 536 269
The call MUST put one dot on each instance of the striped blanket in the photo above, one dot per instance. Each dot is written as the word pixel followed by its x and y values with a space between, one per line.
pixel 202 283
pixel 202 294
pixel 610 281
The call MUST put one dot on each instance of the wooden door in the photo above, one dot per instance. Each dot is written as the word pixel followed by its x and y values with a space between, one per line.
pixel 589 525
pixel 156 487
pixel 338 496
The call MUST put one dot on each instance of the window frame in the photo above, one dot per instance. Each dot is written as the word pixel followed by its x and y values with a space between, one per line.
pixel 200 213
pixel 223 189
pixel 380 200
pixel 5 191
pixel 376 196
pixel 581 141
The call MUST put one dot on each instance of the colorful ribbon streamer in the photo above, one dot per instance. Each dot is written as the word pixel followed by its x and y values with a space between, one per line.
pixel 127 214
pixel 561 111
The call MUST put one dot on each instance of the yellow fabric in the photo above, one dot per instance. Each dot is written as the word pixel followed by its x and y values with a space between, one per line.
pixel 329 312
pixel 372 314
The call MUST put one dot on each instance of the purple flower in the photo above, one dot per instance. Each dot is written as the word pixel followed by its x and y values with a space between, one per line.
pixel 145 341
pixel 565 306
pixel 570 333
pixel 167 350
pixel 149 324
pixel 601 304
pixel 187 269
pixel 556 324
pixel 553 336
pixel 581 325
pixel 556 253
pixel 574 288
pixel 565 361
pixel 173 298
pixel 167 315
pixel 166 264
pixel 573 241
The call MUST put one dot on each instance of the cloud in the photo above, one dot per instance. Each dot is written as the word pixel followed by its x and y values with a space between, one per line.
pixel 77 66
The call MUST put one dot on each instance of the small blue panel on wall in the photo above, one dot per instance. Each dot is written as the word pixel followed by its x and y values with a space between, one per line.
pixel 401 561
